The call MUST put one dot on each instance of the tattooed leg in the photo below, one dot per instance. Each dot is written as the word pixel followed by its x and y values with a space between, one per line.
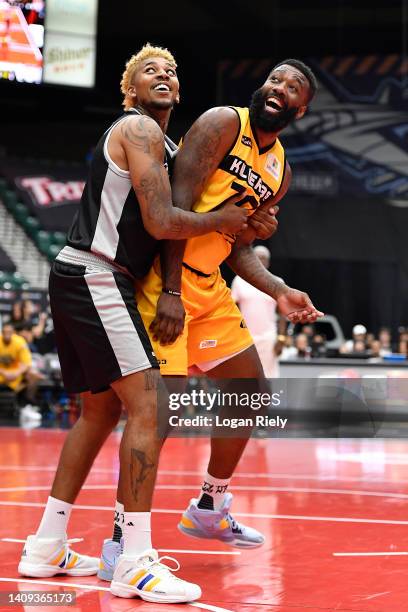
pixel 140 445
pixel 140 466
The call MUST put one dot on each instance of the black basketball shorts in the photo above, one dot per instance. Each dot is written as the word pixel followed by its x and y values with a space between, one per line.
pixel 99 332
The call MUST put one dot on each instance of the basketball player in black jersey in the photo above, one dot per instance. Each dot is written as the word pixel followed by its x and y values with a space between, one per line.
pixel 103 347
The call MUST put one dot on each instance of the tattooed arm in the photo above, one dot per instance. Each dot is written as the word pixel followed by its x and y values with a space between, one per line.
pixel 244 262
pixel 143 145
pixel 294 304
pixel 204 147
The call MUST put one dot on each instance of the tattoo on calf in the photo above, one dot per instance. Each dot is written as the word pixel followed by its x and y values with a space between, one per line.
pixel 151 379
pixel 140 467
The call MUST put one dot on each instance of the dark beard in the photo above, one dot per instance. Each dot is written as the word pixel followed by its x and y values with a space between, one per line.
pixel 265 121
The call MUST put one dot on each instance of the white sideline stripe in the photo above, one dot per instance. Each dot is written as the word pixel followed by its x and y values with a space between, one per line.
pixel 75 585
pixel 362 478
pixel 181 551
pixel 369 554
pixel 273 475
pixel 203 606
pixel 12 540
pixel 290 517
pixel 90 587
pixel 165 487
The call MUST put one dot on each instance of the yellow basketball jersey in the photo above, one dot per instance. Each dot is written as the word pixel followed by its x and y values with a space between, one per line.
pixel 256 173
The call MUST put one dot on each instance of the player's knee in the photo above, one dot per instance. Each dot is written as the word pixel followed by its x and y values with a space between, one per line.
pixel 104 409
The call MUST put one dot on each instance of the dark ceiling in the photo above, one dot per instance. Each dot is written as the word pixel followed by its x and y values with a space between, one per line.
pixel 202 33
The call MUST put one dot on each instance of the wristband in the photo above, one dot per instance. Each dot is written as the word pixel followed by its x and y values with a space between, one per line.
pixel 171 292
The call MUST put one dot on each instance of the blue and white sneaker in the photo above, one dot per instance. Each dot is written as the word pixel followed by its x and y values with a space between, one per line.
pixel 147 577
pixel 219 525
pixel 109 556
pixel 47 557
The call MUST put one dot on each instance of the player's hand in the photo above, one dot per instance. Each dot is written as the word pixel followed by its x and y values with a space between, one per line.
pixel 168 323
pixel 297 306
pixel 264 222
pixel 233 219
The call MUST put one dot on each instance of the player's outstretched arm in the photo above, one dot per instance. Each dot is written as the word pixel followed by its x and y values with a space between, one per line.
pixel 292 303
pixel 143 143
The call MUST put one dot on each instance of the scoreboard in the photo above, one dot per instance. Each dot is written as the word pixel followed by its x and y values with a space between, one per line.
pixel 48 41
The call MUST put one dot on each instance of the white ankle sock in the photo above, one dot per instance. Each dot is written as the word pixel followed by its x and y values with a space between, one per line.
pixel 213 492
pixel 118 522
pixel 55 519
pixel 137 533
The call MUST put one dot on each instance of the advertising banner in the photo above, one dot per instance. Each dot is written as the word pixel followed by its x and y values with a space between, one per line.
pixel 52 194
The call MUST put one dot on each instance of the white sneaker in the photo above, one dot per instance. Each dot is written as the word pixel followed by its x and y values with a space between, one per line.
pixel 46 557
pixel 147 577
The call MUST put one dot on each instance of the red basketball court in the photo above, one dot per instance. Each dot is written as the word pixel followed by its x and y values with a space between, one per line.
pixel 334 513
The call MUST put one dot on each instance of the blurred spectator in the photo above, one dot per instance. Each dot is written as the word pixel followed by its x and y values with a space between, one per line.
pixel 384 337
pixel 309 331
pixel 16 317
pixel 300 350
pixel 25 316
pixel 46 343
pixel 370 338
pixel 375 349
pixel 359 346
pixel 15 358
pixel 359 335
pixel 26 332
pixel 403 341
pixel 259 312
pixel 318 346
pixel 33 317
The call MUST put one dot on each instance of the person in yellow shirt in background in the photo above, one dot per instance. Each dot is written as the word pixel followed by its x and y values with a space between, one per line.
pixel 15 358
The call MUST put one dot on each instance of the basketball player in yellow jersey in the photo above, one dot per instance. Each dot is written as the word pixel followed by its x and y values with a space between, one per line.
pixel 227 152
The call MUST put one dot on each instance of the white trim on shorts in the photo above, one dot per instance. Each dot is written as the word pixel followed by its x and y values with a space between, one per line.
pixel 206 366
pixel 117 323
pixel 77 257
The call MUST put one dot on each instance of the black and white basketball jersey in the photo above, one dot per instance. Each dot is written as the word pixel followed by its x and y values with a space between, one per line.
pixel 109 221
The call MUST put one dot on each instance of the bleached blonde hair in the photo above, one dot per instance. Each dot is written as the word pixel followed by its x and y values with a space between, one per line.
pixel 133 64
